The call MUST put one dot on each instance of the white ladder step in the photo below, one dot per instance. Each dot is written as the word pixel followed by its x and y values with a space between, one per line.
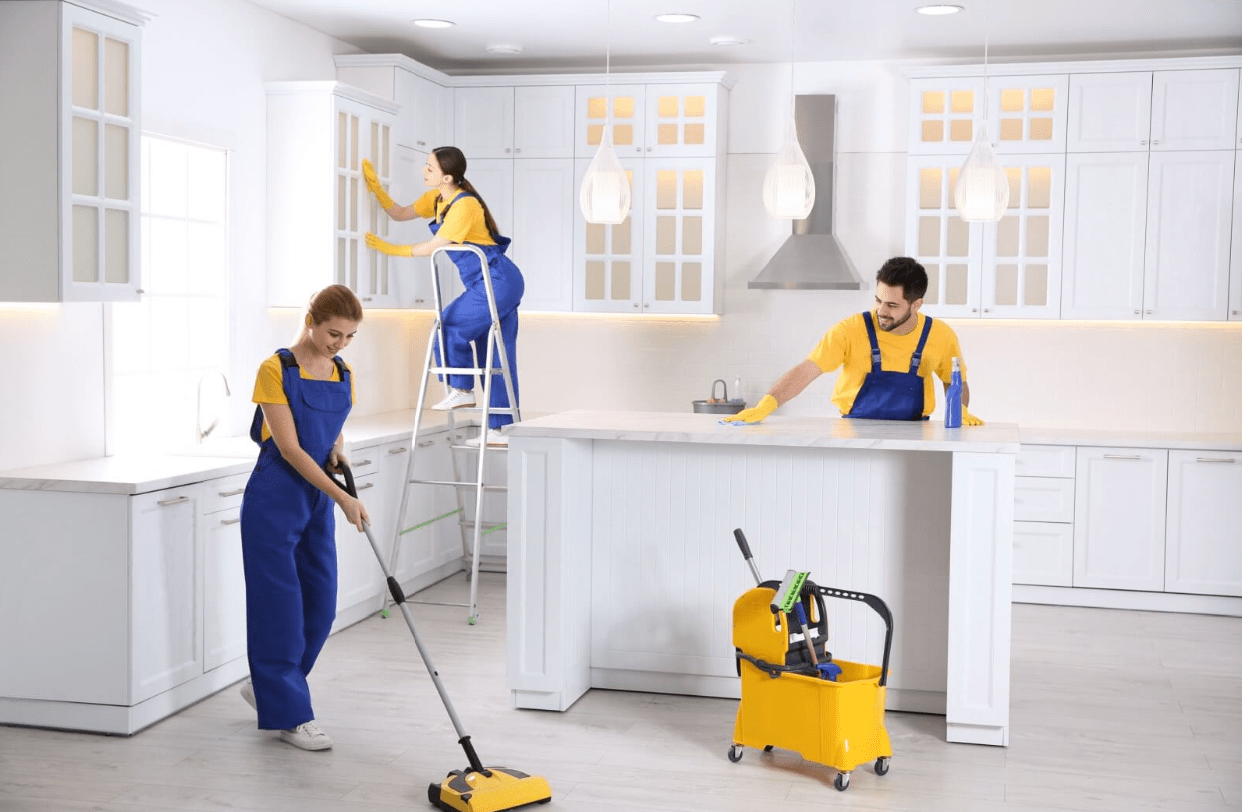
pixel 458 484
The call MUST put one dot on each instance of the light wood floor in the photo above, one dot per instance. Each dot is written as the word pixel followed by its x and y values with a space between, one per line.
pixel 1111 710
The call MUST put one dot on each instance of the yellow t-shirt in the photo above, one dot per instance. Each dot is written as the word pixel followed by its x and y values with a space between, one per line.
pixel 846 346
pixel 269 385
pixel 465 221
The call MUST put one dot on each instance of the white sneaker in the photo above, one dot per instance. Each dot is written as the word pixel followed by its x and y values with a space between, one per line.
pixel 247 692
pixel 494 438
pixel 306 736
pixel 455 399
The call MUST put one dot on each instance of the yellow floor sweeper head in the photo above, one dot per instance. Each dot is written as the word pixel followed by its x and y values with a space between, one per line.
pixel 476 788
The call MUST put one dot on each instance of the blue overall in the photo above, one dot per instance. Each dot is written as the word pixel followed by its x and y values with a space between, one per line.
pixel 891 395
pixel 289 551
pixel 467 318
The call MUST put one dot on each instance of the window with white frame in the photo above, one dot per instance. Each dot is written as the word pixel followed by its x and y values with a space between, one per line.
pixel 168 353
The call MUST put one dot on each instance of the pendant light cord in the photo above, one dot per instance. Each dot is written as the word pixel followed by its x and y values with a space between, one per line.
pixel 793 60
pixel 986 26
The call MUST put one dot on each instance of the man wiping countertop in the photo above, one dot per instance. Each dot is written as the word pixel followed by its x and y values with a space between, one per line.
pixel 886 375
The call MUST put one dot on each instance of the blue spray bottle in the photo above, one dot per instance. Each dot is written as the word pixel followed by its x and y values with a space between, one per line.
pixel 953 398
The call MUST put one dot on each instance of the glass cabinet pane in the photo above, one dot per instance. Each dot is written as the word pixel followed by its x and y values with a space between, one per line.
pixel 116 246
pixel 691 281
pixel 85 157
pixel 665 281
pixel 85 69
pixel 116 77
pixel 116 162
pixel 85 244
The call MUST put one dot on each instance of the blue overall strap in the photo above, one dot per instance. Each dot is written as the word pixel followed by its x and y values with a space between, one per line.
pixel 875 344
pixel 917 358
pixel 289 362
pixel 442 214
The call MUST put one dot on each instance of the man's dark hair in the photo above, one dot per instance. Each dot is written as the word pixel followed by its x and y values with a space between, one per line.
pixel 904 273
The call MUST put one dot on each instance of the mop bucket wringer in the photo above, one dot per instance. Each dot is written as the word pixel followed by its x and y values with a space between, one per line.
pixel 789 701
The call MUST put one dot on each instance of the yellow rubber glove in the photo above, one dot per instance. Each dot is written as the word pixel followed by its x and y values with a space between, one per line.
pixel 755 414
pixel 372 179
pixel 388 248
pixel 969 419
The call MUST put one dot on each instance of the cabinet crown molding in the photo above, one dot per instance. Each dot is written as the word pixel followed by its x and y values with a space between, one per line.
pixel 1083 66
pixel 119 11
pixel 337 88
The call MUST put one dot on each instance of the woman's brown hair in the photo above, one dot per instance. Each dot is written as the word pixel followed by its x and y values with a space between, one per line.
pixel 453 162
pixel 334 301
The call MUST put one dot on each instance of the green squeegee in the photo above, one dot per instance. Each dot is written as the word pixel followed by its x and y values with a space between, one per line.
pixel 791 588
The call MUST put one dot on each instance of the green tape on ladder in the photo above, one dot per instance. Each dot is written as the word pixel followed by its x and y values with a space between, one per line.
pixel 494 529
pixel 431 521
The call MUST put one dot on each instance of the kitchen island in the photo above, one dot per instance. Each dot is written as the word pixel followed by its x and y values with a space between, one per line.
pixel 623 568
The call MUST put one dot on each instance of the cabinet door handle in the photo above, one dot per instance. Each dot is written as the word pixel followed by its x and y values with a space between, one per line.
pixel 233 493
pixel 230 521
pixel 1143 143
pixel 1123 456
pixel 400 450
pixel 364 487
pixel 1215 459
pixel 176 500
pixel 424 444
pixel 361 463
pixel 1138 312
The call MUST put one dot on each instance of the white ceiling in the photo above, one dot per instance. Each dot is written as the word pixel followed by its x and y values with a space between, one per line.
pixel 571 35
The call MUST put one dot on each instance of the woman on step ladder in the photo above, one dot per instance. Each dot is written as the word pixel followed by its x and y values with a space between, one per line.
pixel 458 215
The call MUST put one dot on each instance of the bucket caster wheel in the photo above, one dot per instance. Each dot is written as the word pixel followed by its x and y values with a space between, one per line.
pixel 735 754
pixel 881 765
pixel 433 795
pixel 841 782
pixel 767 748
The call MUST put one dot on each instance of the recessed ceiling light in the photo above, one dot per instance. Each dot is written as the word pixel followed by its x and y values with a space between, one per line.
pixel 434 23
pixel 504 49
pixel 938 9
pixel 677 18
pixel 727 42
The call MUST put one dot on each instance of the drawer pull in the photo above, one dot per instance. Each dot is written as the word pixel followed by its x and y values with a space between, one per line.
pixel 176 500
pixel 400 450
pixel 1214 459
pixel 230 521
pixel 237 492
pixel 361 463
pixel 1123 456
pixel 425 443
pixel 364 487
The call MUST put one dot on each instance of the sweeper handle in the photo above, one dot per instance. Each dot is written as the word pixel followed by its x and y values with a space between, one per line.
pixel 398 597
pixel 745 548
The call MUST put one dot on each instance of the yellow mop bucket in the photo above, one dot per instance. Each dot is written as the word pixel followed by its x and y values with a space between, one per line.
pixel 786 702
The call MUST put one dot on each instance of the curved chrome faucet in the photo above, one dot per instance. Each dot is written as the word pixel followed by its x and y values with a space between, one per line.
pixel 200 432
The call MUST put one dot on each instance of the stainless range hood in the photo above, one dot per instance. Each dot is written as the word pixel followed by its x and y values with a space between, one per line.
pixel 812 259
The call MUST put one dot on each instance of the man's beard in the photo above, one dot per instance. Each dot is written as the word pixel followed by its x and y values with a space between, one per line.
pixel 880 321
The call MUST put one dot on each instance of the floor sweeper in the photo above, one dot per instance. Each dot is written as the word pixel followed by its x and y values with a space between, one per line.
pixel 476 788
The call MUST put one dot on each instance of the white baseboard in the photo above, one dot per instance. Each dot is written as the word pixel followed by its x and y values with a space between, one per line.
pixel 1124 599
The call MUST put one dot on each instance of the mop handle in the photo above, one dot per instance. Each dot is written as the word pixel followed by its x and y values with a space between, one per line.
pixel 745 548
pixel 398 597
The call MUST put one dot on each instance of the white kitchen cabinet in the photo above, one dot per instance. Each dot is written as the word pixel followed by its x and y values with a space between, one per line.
pixel 1194 109
pixel 1235 251
pixel 1119 518
pixel 1043 553
pixel 1109 112
pixel 1009 269
pixel 608 259
pixel 319 208
pixel 1105 235
pixel 358 576
pixel 679 245
pixel 492 178
pixel 422 118
pixel 69 204
pixel 430 537
pixel 543 231
pixel 943 112
pixel 1202 550
pixel 1021 273
pixel 543 121
pixel 623 107
pixel 1189 214
pixel 1043 514
pixel 166 597
pixel 224 579
pixel 687 120
pixel 1027 114
pixel 483 123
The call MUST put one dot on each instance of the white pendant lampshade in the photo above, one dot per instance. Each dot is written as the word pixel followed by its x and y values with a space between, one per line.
pixel 789 186
pixel 982 190
pixel 605 195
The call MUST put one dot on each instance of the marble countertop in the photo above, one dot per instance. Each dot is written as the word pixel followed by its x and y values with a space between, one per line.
pixel 141 473
pixel 826 432
pixel 1217 441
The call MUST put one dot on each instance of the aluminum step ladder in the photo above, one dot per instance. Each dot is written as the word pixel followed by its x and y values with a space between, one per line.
pixel 472 531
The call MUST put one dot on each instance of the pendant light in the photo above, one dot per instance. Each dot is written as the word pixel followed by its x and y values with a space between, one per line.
pixel 789 186
pixel 605 195
pixel 982 190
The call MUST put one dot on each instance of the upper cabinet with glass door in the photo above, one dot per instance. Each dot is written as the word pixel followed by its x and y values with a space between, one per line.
pixel 69 206
pixel 1024 114
pixel 319 207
